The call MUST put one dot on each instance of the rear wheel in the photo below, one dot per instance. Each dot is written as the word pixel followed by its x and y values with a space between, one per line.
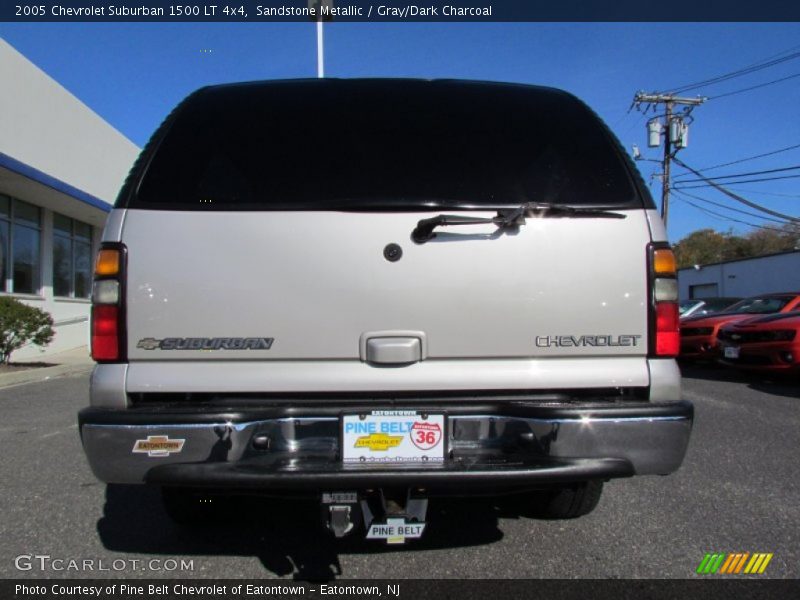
pixel 569 501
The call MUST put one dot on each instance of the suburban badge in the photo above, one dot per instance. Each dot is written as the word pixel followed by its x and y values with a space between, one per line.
pixel 250 343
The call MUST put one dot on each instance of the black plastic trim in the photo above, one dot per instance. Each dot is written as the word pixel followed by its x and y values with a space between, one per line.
pixel 248 474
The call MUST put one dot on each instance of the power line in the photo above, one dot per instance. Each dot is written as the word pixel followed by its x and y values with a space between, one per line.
pixel 737 73
pixel 718 177
pixel 688 187
pixel 776 194
pixel 754 87
pixel 731 208
pixel 731 219
pixel 741 160
pixel 737 197
pixel 787 51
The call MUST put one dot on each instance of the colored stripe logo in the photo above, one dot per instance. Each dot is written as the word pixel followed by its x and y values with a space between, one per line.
pixel 734 563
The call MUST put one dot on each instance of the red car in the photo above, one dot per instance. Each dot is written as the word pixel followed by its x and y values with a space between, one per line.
pixel 770 343
pixel 699 334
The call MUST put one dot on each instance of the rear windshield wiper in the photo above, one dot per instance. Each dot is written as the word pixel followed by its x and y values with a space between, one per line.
pixel 507 218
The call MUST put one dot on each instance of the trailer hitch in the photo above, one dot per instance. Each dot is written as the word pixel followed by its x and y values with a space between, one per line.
pixel 394 516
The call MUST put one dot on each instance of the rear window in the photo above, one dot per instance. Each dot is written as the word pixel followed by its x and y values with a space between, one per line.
pixel 382 144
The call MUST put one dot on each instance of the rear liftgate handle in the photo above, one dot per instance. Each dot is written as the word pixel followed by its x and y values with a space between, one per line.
pixel 397 348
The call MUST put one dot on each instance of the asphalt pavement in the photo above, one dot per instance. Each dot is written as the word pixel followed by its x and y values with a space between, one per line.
pixel 736 492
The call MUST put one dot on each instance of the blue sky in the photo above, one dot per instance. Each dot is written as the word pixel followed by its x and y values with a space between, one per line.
pixel 133 74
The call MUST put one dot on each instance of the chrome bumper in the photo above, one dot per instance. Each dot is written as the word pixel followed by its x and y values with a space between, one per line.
pixel 518 444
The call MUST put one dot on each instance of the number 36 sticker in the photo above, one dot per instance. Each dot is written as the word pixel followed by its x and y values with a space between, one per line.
pixel 425 435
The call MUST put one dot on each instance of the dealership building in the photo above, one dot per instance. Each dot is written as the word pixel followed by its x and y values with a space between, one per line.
pixel 743 277
pixel 61 166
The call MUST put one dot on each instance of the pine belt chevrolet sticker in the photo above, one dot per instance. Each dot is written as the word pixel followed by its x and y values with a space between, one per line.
pixel 395 531
pixel 158 445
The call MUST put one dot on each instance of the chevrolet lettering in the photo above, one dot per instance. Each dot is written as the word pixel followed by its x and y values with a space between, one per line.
pixel 467 288
pixel 571 341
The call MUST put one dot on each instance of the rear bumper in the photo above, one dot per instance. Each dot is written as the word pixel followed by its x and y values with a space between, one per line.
pixel 501 443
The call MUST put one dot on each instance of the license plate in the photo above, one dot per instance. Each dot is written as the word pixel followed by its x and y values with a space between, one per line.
pixel 393 437
pixel 731 351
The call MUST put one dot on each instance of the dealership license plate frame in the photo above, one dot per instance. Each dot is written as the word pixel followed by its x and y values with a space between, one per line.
pixel 731 352
pixel 436 455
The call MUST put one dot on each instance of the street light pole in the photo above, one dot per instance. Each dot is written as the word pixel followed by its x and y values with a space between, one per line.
pixel 320 51
pixel 319 11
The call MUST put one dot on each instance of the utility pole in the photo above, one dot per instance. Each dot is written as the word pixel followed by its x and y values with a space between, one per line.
pixel 676 128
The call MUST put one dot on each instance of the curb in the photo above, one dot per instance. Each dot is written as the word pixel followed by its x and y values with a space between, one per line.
pixel 43 374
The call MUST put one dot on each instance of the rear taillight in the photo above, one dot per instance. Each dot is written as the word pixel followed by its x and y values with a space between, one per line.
pixel 108 307
pixel 664 315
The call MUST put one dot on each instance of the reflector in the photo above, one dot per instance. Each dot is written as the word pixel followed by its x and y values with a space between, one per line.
pixel 664 262
pixel 107 262
pixel 106 291
pixel 105 338
pixel 668 340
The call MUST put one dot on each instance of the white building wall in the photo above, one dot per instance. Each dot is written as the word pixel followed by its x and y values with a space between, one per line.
pixel 45 128
pixel 743 278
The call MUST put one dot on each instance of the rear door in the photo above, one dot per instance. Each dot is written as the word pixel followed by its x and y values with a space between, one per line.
pixel 264 211
pixel 316 281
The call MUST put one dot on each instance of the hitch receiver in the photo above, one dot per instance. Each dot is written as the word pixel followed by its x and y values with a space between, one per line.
pixel 340 520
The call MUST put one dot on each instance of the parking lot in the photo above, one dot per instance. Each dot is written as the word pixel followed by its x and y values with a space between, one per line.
pixel 736 492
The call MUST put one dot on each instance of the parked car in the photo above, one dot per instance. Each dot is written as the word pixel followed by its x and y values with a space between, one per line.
pixel 704 306
pixel 699 334
pixel 375 291
pixel 770 343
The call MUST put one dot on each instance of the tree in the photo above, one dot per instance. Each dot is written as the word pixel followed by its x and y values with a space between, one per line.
pixel 708 246
pixel 21 324
pixel 769 241
pixel 700 247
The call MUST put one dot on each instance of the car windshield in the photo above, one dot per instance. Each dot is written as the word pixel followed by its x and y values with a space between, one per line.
pixel 686 305
pixel 717 304
pixel 377 144
pixel 760 305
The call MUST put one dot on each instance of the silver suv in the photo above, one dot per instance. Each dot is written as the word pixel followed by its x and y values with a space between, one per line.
pixel 377 291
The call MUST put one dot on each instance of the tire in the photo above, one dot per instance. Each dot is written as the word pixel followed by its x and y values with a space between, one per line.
pixel 568 502
pixel 188 507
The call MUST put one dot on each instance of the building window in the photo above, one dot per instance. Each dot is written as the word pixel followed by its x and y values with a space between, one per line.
pixel 72 257
pixel 703 290
pixel 20 239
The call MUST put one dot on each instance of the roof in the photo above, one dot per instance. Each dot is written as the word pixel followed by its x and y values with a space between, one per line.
pixel 386 82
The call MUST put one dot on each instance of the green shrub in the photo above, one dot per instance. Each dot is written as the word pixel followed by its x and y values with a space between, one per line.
pixel 21 324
